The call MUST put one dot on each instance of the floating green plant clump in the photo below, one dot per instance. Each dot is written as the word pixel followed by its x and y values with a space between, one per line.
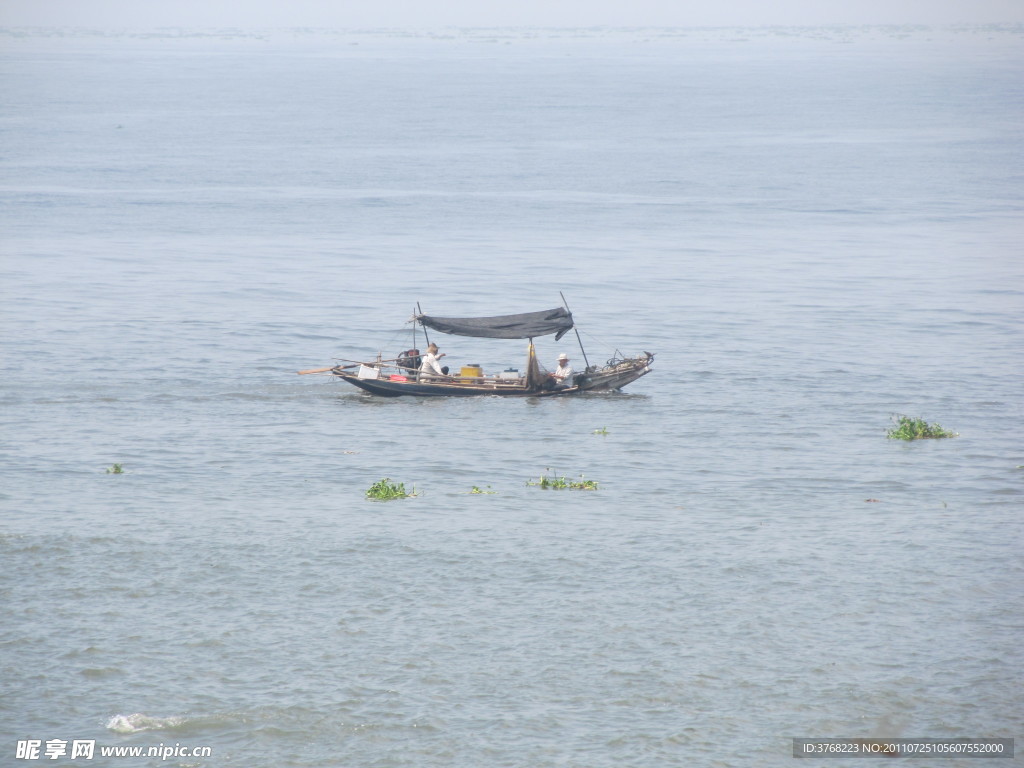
pixel 561 482
pixel 115 469
pixel 478 490
pixel 601 431
pixel 916 429
pixel 386 489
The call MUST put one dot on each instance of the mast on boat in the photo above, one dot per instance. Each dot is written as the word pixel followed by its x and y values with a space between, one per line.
pixel 425 334
pixel 586 362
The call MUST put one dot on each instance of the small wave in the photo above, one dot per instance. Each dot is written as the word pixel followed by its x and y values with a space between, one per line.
pixel 101 672
pixel 138 722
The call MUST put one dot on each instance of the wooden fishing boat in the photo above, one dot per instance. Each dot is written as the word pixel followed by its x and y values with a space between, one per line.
pixel 401 375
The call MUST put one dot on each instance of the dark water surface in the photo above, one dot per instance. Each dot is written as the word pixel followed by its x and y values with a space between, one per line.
pixel 812 229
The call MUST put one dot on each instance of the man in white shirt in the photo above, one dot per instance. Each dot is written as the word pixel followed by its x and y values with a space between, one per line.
pixel 563 373
pixel 430 368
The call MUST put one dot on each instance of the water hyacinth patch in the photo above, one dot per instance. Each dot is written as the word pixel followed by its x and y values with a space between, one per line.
pixel 553 482
pixel 916 429
pixel 386 490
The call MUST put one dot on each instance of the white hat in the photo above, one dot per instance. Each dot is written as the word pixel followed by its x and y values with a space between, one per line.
pixel 563 356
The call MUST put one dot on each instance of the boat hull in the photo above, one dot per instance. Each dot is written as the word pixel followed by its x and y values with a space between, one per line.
pixel 389 388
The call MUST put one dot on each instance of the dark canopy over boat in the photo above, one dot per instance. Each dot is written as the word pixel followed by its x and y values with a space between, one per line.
pixel 527 325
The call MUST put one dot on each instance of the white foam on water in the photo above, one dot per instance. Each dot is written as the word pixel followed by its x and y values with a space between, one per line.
pixel 138 722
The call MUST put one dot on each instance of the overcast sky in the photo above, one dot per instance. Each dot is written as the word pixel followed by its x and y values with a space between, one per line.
pixel 359 13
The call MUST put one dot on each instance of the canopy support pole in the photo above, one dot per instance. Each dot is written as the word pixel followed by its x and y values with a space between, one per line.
pixel 425 334
pixel 576 331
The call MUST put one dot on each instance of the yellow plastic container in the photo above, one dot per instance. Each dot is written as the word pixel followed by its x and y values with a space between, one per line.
pixel 471 371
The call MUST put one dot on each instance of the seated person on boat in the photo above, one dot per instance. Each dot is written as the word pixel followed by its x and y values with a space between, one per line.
pixel 562 376
pixel 431 368
pixel 410 360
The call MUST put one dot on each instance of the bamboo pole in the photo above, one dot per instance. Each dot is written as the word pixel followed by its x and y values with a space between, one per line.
pixel 425 334
pixel 324 370
pixel 363 362
pixel 585 361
